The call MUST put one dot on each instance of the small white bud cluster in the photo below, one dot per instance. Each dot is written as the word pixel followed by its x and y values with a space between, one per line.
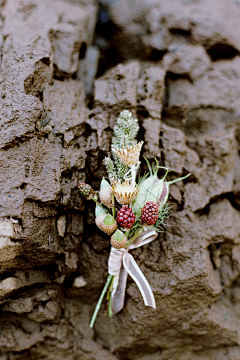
pixel 125 132
pixel 121 168
pixel 112 174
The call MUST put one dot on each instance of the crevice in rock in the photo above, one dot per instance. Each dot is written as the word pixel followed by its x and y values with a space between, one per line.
pixel 104 40
pixel 157 55
pixel 214 249
pixel 204 211
pixel 7 275
pixel 178 31
pixel 172 76
pixel 18 141
pixel 162 157
pixel 57 77
pixel 90 102
pixel 109 57
pixel 222 51
pixel 129 354
pixel 173 114
pixel 93 177
pixel 166 94
pixel 25 291
pixel 229 196
pixel 83 50
pixel 33 84
pixel 39 95
pixel 142 114
pixel 69 280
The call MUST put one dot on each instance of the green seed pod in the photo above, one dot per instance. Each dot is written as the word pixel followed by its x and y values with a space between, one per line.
pixel 154 189
pixel 151 189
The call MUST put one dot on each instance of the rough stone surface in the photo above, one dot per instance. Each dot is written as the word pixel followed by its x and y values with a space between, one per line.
pixel 177 68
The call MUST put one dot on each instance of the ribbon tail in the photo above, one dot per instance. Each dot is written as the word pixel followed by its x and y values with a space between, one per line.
pixel 134 271
pixel 119 289
pixel 116 269
pixel 121 257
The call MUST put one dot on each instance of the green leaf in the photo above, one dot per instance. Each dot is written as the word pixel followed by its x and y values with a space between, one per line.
pixel 99 211
pixel 104 184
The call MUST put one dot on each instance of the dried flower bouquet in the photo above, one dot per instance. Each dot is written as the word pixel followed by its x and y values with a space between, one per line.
pixel 131 213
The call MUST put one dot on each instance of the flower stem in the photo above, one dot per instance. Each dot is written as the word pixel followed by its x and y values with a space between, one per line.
pixel 110 314
pixel 179 179
pixel 134 237
pixel 98 203
pixel 113 206
pixel 100 300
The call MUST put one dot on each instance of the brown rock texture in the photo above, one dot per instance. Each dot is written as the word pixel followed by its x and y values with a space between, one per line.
pixel 68 68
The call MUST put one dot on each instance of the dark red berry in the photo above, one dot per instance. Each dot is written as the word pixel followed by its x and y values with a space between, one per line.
pixel 149 213
pixel 125 217
pixel 85 189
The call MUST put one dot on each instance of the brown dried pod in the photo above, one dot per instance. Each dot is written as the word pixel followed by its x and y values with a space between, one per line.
pixel 106 223
pixel 105 196
pixel 118 239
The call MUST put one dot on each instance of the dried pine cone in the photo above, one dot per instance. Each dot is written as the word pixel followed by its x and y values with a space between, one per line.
pixel 149 213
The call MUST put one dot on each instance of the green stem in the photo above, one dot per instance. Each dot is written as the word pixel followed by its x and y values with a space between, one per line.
pixel 100 300
pixel 113 206
pixel 165 168
pixel 110 314
pixel 98 203
pixel 134 237
pixel 179 179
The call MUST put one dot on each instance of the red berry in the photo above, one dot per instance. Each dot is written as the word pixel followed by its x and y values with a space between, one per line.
pixel 125 217
pixel 149 213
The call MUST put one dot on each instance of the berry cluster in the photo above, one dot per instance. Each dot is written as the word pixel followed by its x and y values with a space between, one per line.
pixel 85 189
pixel 149 213
pixel 125 217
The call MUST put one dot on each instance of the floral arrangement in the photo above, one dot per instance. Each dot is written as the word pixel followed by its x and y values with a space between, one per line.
pixel 130 212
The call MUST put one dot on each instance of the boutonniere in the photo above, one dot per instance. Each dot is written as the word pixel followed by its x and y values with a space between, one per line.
pixel 131 212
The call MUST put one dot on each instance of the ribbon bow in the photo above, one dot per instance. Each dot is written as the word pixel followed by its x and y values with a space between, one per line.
pixel 119 257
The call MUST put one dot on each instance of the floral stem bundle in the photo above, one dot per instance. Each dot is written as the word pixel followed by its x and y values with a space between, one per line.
pixel 131 213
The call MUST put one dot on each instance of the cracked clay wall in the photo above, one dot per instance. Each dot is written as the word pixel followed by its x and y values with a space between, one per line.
pixel 67 70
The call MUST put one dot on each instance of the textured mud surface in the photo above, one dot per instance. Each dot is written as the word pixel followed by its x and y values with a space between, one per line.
pixel 65 77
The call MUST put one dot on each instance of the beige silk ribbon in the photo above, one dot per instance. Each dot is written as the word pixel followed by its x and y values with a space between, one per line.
pixel 121 263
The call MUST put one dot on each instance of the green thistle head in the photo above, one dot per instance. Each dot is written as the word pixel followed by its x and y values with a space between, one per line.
pixel 84 189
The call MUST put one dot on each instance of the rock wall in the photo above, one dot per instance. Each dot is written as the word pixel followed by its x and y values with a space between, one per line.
pixel 67 70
